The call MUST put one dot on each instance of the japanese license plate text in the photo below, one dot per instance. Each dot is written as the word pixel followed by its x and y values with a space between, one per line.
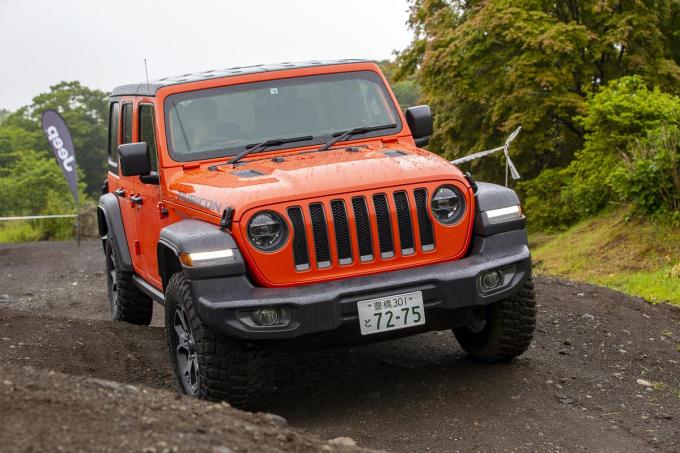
pixel 391 313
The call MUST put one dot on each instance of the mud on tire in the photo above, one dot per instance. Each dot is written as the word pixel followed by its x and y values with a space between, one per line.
pixel 221 365
pixel 127 302
pixel 507 329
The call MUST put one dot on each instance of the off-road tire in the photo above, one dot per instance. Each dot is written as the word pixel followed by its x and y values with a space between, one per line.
pixel 126 301
pixel 224 363
pixel 508 330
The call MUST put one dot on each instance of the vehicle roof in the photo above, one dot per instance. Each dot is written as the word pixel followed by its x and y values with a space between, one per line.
pixel 150 88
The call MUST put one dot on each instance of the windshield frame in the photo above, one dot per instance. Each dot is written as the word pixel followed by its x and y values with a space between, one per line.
pixel 171 99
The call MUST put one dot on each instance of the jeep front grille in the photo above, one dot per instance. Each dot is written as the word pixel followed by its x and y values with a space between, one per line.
pixel 342 237
pixel 405 227
pixel 382 215
pixel 426 233
pixel 363 224
pixel 382 224
pixel 299 239
pixel 323 252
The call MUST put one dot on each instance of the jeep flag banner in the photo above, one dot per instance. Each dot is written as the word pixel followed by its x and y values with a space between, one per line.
pixel 58 135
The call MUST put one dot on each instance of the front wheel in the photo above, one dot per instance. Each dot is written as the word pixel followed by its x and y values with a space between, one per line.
pixel 502 330
pixel 207 364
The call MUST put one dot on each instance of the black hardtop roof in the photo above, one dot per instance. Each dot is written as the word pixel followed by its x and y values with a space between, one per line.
pixel 150 88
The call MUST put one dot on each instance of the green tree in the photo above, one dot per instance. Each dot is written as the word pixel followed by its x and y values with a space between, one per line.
pixel 32 184
pixel 85 111
pixel 618 162
pixel 405 88
pixel 3 114
pixel 650 175
pixel 486 67
pixel 29 182
pixel 13 140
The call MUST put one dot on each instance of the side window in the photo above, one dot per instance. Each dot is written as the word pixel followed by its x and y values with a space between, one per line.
pixel 114 115
pixel 147 132
pixel 127 123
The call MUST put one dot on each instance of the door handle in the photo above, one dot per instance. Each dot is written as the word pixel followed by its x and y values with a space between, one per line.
pixel 119 192
pixel 137 199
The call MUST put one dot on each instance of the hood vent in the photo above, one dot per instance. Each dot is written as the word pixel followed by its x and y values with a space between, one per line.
pixel 394 153
pixel 247 173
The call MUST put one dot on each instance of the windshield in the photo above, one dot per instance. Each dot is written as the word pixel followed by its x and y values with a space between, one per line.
pixel 222 121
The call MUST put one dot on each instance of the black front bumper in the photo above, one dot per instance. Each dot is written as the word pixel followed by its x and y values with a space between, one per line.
pixel 225 303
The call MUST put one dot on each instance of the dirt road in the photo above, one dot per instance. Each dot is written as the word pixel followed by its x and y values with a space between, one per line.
pixel 603 373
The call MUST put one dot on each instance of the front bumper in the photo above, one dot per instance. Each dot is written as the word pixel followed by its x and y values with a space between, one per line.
pixel 223 303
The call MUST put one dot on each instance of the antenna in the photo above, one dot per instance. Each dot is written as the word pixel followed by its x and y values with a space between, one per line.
pixel 146 70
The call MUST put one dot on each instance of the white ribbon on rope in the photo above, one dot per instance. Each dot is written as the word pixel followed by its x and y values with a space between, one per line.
pixel 509 166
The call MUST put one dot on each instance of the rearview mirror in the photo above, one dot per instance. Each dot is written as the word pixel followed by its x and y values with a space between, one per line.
pixel 419 119
pixel 134 159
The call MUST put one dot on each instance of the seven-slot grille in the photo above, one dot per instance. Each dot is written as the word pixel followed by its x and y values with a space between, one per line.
pixel 356 222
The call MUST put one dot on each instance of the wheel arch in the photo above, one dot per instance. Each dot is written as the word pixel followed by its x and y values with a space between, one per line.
pixel 491 197
pixel 193 236
pixel 110 226
pixel 168 261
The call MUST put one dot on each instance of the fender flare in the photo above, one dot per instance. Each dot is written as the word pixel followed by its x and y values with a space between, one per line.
pixel 192 236
pixel 110 224
pixel 492 196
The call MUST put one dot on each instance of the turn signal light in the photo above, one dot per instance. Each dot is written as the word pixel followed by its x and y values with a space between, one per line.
pixel 200 259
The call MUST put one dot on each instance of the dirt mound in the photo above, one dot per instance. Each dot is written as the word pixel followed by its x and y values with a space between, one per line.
pixel 103 349
pixel 44 410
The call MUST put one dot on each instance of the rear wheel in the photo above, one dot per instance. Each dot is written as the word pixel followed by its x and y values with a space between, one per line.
pixel 126 301
pixel 502 330
pixel 207 364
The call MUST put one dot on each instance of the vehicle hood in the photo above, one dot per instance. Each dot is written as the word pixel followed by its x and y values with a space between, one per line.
pixel 266 181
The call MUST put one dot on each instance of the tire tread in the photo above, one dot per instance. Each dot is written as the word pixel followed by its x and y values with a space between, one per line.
pixel 132 305
pixel 224 363
pixel 510 330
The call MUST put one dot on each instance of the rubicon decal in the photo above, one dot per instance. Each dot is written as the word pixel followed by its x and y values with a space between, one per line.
pixel 205 203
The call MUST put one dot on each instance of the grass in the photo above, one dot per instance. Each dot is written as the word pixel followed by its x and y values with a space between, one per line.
pixel 635 256
pixel 15 231
pixel 19 231
pixel 655 286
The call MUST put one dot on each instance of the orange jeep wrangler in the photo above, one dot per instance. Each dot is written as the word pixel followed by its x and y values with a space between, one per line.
pixel 266 203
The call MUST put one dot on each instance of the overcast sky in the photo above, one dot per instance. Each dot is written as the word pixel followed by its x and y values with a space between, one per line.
pixel 103 43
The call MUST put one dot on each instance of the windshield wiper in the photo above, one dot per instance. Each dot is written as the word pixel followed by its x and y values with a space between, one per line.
pixel 341 136
pixel 257 147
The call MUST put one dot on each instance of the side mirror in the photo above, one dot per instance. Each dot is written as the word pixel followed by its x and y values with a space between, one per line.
pixel 419 119
pixel 134 159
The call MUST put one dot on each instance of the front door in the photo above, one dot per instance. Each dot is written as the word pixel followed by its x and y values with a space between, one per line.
pixel 150 218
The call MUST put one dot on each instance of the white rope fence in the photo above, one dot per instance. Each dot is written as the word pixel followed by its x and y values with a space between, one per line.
pixel 509 166
pixel 33 217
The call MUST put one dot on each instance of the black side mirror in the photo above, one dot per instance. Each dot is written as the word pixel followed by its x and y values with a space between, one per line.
pixel 419 119
pixel 134 159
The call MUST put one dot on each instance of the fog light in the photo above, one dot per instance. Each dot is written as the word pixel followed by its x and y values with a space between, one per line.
pixel 491 280
pixel 266 316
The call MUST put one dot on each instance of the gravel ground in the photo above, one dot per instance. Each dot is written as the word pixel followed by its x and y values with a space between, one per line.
pixel 603 373
pixel 48 411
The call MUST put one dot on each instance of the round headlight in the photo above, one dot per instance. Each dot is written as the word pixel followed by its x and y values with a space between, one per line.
pixel 267 231
pixel 448 204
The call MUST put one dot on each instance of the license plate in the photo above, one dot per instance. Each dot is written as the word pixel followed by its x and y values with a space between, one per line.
pixel 391 313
